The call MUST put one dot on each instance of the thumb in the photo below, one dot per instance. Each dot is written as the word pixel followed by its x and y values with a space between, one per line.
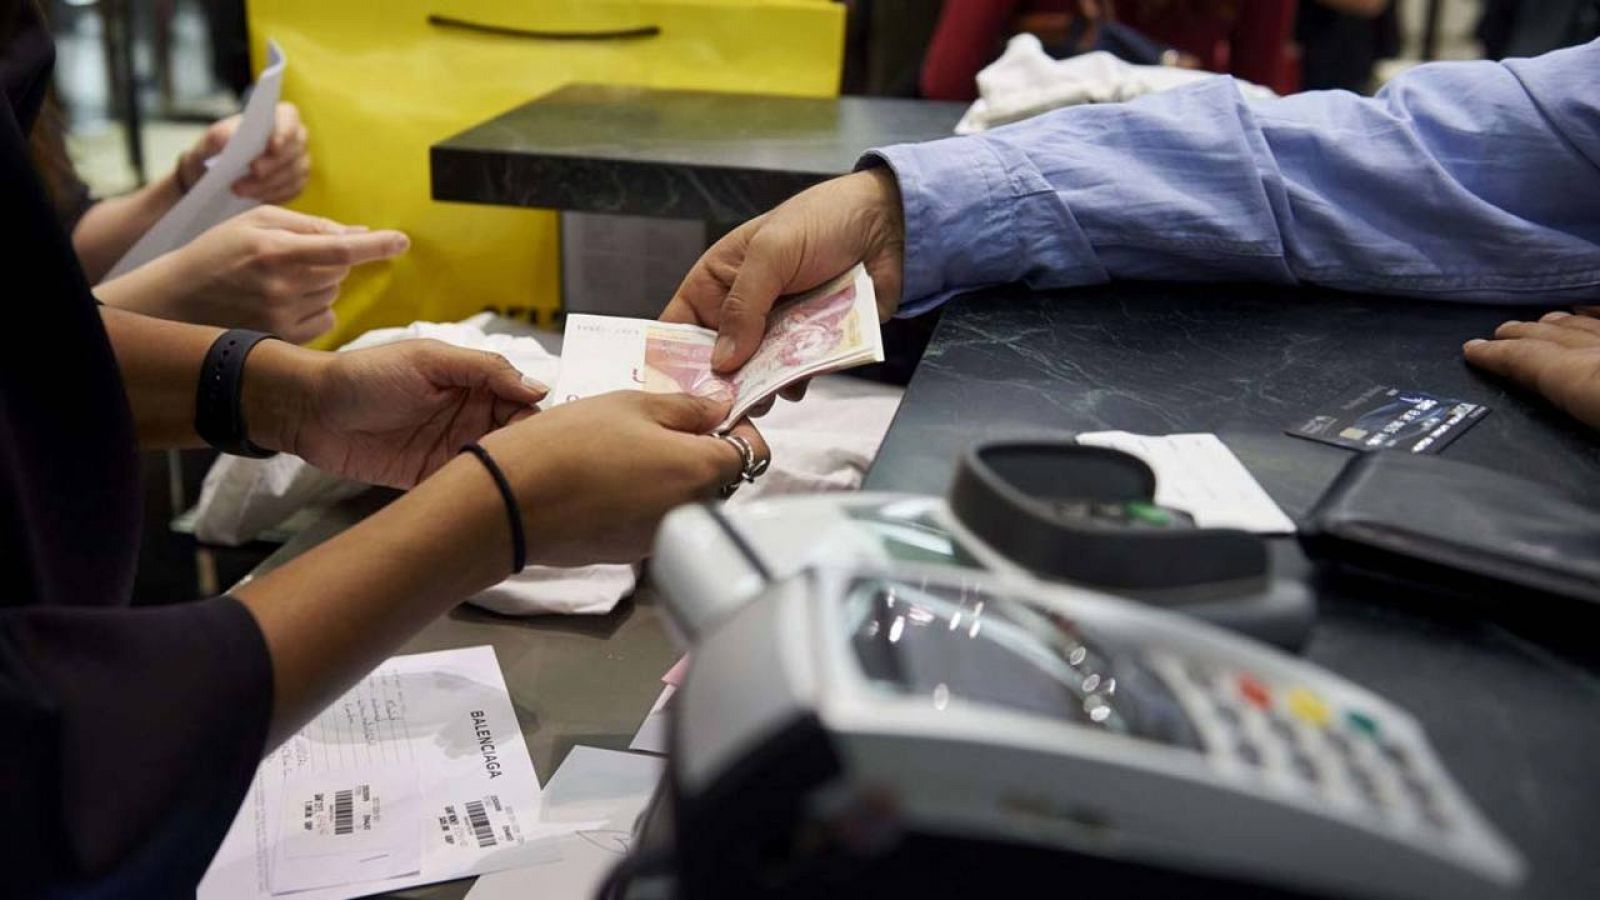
pixel 688 413
pixel 743 321
pixel 459 367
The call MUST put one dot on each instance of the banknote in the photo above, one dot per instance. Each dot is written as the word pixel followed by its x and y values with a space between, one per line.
pixel 831 327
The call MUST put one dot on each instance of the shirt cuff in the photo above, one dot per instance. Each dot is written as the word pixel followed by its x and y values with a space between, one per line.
pixel 950 191
pixel 978 213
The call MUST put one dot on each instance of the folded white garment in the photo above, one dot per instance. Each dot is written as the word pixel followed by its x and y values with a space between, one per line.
pixel 1025 81
pixel 822 444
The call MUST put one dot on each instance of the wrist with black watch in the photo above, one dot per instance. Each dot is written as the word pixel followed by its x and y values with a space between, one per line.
pixel 219 421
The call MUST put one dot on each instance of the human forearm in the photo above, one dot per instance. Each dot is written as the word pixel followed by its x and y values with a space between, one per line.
pixel 591 481
pixel 160 363
pixel 331 615
pixel 111 226
pixel 153 289
pixel 1409 192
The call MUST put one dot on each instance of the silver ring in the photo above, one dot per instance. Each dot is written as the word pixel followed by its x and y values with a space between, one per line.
pixel 750 468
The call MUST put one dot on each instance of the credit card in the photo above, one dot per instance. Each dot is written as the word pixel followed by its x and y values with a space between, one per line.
pixel 1381 418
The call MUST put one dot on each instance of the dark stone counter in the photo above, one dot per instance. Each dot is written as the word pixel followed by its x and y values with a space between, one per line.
pixel 1516 718
pixel 680 154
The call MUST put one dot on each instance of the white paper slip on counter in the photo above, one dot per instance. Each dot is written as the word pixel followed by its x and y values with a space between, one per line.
pixel 600 792
pixel 1198 474
pixel 418 774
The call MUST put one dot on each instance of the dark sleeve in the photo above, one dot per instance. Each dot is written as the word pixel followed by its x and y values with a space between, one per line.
pixel 128 738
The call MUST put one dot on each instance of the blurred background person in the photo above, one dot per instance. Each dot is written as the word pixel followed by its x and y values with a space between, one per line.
pixel 1532 27
pixel 1341 42
pixel 971 34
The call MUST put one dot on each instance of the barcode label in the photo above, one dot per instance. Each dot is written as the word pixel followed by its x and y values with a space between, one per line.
pixel 344 820
pixel 479 820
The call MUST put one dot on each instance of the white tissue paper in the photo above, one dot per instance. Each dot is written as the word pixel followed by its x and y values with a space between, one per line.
pixel 1025 81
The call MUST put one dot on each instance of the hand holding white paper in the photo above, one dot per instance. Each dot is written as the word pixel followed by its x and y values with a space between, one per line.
pixel 212 201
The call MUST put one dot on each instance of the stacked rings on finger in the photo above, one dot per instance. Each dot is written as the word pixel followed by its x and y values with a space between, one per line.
pixel 750 468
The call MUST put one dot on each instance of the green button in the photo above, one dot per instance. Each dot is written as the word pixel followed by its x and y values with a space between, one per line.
pixel 1150 513
pixel 1362 722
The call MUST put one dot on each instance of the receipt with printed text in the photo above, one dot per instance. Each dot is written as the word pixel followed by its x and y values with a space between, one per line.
pixel 418 774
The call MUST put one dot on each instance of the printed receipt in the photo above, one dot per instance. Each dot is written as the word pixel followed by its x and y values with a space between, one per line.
pixel 418 774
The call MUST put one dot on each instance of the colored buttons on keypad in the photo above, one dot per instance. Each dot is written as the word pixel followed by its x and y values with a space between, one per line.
pixel 1254 691
pixel 1308 707
pixel 1362 722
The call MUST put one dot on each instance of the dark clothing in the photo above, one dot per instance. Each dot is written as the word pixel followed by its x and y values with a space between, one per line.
pixel 1520 28
pixel 127 736
pixel 1340 51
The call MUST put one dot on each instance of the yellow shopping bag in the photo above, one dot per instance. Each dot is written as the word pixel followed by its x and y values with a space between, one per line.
pixel 379 81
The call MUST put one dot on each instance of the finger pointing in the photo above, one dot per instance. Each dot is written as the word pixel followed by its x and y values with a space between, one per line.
pixel 347 249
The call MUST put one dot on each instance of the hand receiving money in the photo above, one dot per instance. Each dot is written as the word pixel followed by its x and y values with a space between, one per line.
pixel 832 327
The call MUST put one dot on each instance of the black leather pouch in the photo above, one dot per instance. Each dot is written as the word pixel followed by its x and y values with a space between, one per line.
pixel 1438 523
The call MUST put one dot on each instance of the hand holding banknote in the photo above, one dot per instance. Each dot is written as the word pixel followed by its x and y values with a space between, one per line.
pixel 801 244
pixel 831 327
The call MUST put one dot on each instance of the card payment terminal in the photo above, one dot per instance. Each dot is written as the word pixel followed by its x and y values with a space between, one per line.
pixel 879 703
pixel 870 731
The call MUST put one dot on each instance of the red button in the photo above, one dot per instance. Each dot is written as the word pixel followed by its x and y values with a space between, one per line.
pixel 1254 691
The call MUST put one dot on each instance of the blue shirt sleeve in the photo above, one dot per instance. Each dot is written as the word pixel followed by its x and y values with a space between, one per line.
pixel 1462 181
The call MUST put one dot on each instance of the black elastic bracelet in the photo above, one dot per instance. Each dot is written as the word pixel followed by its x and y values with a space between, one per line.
pixel 519 544
pixel 218 413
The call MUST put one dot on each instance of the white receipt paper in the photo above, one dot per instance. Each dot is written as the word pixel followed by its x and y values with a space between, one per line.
pixel 599 792
pixel 211 200
pixel 1198 474
pixel 418 774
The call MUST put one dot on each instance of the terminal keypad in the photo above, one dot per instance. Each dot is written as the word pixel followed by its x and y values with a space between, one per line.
pixel 1295 740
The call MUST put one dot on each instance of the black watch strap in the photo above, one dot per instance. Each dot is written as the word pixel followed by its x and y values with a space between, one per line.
pixel 218 413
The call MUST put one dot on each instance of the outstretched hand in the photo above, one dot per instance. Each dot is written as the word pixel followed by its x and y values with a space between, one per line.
pixel 272 269
pixel 1557 356
pixel 388 415
pixel 807 240
pixel 595 476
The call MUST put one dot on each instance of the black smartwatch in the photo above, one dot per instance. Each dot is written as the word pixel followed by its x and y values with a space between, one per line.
pixel 218 413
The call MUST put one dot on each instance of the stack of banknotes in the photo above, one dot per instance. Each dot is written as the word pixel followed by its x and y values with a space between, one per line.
pixel 826 329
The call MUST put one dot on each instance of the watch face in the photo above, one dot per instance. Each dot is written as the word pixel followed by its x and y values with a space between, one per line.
pixel 956 643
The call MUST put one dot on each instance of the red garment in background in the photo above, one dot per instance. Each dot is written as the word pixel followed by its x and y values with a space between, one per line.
pixel 1247 38
pixel 1254 45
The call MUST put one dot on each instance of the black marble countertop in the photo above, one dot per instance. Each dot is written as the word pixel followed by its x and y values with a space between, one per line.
pixel 1514 717
pixel 715 157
